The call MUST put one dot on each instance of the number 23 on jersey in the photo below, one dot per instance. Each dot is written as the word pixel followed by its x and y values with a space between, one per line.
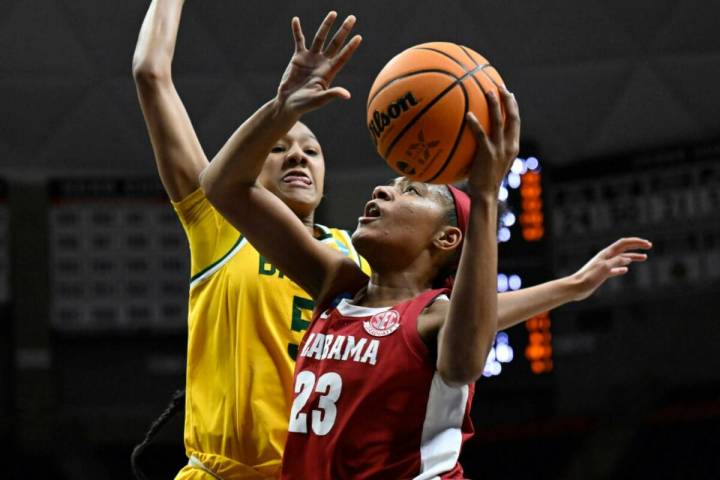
pixel 322 419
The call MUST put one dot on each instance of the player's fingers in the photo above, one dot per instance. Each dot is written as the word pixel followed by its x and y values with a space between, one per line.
pixel 340 36
pixel 635 257
pixel 345 54
pixel 512 121
pixel 297 34
pixel 618 271
pixel 630 243
pixel 327 96
pixel 322 32
pixel 338 92
pixel 496 120
pixel 477 129
pixel 619 261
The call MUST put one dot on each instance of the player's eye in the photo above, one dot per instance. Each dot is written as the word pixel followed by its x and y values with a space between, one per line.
pixel 278 149
pixel 412 189
pixel 311 151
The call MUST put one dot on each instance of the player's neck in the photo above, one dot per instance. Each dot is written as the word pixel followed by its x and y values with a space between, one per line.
pixel 309 222
pixel 391 288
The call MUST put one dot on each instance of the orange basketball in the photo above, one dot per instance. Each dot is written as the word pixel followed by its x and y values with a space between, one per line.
pixel 417 106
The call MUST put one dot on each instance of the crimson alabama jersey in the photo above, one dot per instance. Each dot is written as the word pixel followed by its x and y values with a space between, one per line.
pixel 369 403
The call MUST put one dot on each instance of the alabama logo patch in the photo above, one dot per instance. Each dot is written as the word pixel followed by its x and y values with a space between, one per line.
pixel 382 324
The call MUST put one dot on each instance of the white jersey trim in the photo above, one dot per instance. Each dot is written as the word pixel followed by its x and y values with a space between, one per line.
pixel 346 308
pixel 327 232
pixel 349 310
pixel 442 428
pixel 217 266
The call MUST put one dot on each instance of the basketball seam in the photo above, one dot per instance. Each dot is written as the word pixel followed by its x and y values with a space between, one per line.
pixel 457 138
pixel 444 54
pixel 427 107
pixel 477 65
pixel 406 75
pixel 482 70
pixel 468 55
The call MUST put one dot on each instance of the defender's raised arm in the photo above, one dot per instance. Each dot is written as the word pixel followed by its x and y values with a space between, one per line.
pixel 178 154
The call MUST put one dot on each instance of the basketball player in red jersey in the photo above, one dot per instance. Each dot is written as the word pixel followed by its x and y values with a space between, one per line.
pixel 384 380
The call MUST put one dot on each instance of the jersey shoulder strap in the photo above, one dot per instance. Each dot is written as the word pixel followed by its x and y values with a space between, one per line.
pixel 416 305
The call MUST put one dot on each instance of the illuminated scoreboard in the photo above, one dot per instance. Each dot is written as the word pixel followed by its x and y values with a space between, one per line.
pixel 522 259
pixel 119 257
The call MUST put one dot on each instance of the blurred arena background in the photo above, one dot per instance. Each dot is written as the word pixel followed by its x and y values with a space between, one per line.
pixel 621 136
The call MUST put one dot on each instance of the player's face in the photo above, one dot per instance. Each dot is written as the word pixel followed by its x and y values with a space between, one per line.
pixel 295 170
pixel 401 220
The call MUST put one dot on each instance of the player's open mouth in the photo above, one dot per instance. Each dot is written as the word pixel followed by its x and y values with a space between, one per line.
pixel 297 177
pixel 371 212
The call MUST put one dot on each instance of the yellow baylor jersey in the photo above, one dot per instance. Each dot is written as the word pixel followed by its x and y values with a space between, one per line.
pixel 245 322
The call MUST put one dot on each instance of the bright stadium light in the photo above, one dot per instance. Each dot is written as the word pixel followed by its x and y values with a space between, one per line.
pixel 509 219
pixel 513 180
pixel 503 194
pixel 502 282
pixel 532 163
pixel 504 234
pixel 504 353
pixel 518 166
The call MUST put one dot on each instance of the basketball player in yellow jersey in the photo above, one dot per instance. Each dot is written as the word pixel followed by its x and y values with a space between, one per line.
pixel 246 320
pixel 245 317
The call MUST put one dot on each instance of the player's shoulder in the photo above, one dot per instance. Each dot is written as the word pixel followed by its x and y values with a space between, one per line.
pixel 192 200
pixel 437 304
pixel 433 316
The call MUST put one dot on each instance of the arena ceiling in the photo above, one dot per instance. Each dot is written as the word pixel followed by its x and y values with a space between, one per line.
pixel 593 77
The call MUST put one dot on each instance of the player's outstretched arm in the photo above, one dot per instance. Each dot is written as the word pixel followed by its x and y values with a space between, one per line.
pixel 612 261
pixel 230 181
pixel 178 154
pixel 466 336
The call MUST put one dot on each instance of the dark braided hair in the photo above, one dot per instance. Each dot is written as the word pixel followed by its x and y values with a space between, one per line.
pixel 177 401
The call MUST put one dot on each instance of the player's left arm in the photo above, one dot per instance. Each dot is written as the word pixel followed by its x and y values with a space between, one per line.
pixel 518 306
pixel 612 261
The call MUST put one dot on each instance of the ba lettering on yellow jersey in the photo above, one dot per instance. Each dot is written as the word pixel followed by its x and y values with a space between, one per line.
pixel 245 322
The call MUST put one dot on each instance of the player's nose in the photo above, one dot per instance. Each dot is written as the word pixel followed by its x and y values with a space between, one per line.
pixel 383 192
pixel 295 156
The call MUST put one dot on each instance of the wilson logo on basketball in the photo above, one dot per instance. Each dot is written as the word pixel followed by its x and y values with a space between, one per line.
pixel 419 153
pixel 381 120
pixel 382 324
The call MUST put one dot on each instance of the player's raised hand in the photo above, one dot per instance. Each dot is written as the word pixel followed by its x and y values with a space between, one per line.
pixel 611 261
pixel 306 83
pixel 496 150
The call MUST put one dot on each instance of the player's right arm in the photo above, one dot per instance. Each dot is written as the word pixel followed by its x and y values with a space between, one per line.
pixel 178 154
pixel 230 181
pixel 466 335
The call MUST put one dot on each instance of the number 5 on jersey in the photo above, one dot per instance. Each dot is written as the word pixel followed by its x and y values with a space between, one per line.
pixel 329 385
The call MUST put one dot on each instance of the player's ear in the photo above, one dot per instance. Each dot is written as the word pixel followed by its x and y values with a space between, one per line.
pixel 448 238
